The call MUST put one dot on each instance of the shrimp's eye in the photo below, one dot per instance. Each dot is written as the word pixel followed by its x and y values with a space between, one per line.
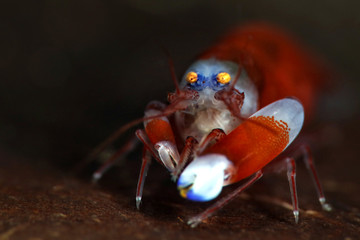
pixel 191 77
pixel 223 77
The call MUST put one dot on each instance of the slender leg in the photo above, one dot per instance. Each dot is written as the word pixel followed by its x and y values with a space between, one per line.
pixel 180 101
pixel 141 135
pixel 233 99
pixel 216 134
pixel 161 137
pixel 291 174
pixel 191 146
pixel 194 221
pixel 304 152
pixel 308 159
pixel 129 146
pixel 146 161
pixel 185 157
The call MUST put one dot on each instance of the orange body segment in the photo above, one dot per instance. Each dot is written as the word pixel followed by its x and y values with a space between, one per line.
pixel 274 61
pixel 253 145
pixel 159 130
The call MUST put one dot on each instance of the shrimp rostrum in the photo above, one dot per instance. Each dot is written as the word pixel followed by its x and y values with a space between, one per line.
pixel 237 108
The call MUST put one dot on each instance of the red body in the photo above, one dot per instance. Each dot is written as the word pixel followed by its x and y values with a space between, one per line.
pixel 274 61
pixel 251 146
pixel 280 68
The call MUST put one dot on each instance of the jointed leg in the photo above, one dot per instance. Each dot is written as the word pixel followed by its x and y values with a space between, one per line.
pixel 141 135
pixel 146 161
pixel 289 163
pixel 186 156
pixel 291 174
pixel 215 135
pixel 308 159
pixel 191 147
pixel 129 146
pixel 194 221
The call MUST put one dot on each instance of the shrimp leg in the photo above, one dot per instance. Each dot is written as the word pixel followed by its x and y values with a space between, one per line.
pixel 117 156
pixel 309 163
pixel 194 221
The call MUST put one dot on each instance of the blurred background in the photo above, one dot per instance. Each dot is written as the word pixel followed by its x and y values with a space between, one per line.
pixel 71 72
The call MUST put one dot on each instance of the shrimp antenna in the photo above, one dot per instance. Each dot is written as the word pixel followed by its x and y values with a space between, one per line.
pixel 238 73
pixel 172 68
pixel 238 115
pixel 99 148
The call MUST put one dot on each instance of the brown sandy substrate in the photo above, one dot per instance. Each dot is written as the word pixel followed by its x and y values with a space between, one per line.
pixel 39 201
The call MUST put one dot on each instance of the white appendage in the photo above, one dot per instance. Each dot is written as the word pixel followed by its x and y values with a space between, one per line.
pixel 168 154
pixel 204 178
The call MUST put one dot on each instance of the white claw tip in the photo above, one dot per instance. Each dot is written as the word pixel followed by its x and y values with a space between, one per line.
pixel 193 222
pixel 296 215
pixel 325 206
pixel 138 202
pixel 96 177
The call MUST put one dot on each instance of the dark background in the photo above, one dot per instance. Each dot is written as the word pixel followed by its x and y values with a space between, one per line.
pixel 71 72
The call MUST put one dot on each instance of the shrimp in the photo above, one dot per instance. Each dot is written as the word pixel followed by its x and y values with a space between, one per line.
pixel 237 108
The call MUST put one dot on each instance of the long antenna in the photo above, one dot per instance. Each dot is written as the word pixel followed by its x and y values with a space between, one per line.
pixel 172 69
pixel 232 84
pixel 98 149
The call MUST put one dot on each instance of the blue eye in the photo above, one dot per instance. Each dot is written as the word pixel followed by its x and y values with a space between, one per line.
pixel 200 84
pixel 216 84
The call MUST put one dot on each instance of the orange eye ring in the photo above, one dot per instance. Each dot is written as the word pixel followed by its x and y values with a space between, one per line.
pixel 191 77
pixel 223 77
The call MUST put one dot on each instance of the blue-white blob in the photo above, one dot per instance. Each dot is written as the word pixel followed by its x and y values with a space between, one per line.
pixel 206 176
